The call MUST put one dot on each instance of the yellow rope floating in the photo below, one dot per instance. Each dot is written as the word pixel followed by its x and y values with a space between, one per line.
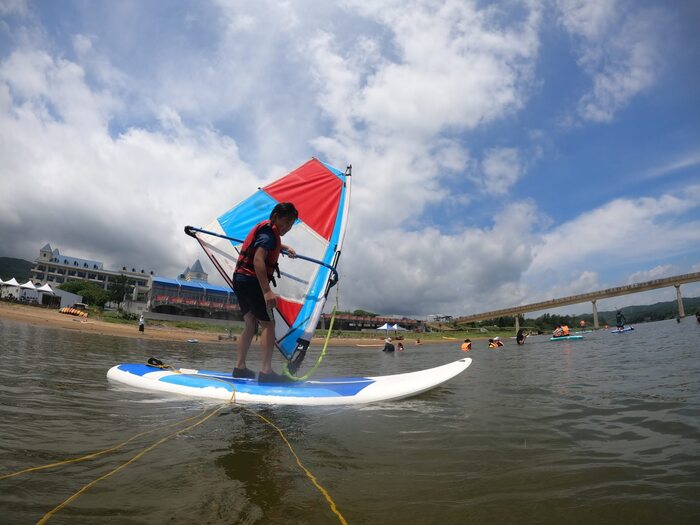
pixel 95 454
pixel 53 511
pixel 308 473
pixel 85 488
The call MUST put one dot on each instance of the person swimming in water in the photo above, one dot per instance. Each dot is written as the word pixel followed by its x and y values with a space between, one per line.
pixel 495 342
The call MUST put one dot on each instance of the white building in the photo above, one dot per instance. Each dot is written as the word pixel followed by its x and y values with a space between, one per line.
pixel 54 268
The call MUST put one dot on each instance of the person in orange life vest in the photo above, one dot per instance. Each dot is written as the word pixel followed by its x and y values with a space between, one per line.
pixel 466 345
pixel 564 330
pixel 495 342
pixel 254 272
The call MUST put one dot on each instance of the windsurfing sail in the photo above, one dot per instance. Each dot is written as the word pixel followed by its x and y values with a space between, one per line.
pixel 321 194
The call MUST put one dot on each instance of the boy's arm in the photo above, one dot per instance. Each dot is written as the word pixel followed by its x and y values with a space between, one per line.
pixel 261 274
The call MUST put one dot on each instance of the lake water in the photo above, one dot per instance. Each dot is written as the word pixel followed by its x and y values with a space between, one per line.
pixel 603 430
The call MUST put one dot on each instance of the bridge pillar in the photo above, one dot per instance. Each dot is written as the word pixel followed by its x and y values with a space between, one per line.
pixel 517 323
pixel 679 298
pixel 595 316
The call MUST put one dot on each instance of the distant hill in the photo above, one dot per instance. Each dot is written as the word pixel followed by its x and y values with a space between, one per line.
pixel 633 315
pixel 17 268
pixel 646 312
pixel 654 312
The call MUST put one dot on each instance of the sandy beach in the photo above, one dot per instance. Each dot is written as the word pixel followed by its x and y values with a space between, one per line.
pixel 54 319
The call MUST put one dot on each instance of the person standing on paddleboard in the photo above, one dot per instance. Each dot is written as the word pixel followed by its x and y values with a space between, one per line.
pixel 620 319
pixel 255 269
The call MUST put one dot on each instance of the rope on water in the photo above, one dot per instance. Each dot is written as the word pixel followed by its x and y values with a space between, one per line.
pixel 159 364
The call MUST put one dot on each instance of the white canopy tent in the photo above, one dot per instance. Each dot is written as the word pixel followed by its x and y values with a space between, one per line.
pixel 397 327
pixel 47 295
pixel 45 288
pixel 10 287
pixel 28 291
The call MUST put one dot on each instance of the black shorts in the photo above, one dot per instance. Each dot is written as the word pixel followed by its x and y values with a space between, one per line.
pixel 251 299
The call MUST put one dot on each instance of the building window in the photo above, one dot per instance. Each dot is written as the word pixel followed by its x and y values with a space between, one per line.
pixel 81 275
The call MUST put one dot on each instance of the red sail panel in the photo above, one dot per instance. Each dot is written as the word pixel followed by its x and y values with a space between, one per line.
pixel 288 310
pixel 315 192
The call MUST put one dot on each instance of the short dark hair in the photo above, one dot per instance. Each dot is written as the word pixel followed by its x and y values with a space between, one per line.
pixel 284 209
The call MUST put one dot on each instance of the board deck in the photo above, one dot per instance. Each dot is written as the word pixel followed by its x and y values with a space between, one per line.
pixel 618 331
pixel 328 391
pixel 566 338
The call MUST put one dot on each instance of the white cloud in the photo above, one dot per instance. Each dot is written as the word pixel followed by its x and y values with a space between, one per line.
pixel 122 199
pixel 590 19
pixel 618 46
pixel 501 169
pixel 622 230
pixel 454 66
pixel 689 161
pixel 658 272
pixel 8 7
pixel 426 271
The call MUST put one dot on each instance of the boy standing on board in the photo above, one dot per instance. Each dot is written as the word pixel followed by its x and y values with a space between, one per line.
pixel 254 272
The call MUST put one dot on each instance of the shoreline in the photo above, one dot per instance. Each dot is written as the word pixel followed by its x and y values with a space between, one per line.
pixel 53 319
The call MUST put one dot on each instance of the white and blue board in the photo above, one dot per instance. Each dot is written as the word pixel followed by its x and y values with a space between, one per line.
pixel 618 331
pixel 566 338
pixel 330 391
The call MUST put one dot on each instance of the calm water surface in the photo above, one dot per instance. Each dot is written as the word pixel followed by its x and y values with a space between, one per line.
pixel 604 430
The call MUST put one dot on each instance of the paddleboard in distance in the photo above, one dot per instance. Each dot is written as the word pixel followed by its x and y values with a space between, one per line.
pixel 618 331
pixel 329 391
pixel 566 337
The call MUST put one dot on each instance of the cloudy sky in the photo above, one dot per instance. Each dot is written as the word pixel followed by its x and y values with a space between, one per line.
pixel 503 152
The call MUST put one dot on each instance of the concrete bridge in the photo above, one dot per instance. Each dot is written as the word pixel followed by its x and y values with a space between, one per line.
pixel 514 311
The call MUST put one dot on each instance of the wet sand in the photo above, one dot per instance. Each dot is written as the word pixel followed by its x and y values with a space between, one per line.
pixel 52 318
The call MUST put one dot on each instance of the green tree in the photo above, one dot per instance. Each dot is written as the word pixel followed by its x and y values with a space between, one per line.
pixel 92 293
pixel 364 313
pixel 118 289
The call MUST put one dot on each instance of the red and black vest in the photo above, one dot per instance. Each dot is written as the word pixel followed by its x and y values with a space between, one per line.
pixel 245 264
